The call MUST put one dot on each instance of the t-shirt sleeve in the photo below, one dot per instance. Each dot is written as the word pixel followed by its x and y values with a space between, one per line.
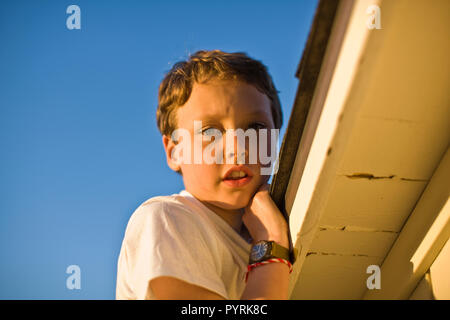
pixel 164 240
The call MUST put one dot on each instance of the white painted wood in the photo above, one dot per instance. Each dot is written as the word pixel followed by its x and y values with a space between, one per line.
pixel 382 129
pixel 440 274
pixel 310 183
pixel 377 205
pixel 421 239
pixel 423 291
pixel 320 273
pixel 347 242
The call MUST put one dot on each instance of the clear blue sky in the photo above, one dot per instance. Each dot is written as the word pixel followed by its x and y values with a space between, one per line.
pixel 79 145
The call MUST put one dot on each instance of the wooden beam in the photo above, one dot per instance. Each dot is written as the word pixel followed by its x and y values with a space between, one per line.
pixel 420 240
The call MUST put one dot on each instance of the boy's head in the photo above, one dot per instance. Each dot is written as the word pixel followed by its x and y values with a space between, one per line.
pixel 224 91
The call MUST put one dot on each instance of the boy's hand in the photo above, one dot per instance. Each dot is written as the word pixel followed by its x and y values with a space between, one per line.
pixel 263 219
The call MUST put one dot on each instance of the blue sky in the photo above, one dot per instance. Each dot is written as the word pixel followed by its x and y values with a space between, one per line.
pixel 80 149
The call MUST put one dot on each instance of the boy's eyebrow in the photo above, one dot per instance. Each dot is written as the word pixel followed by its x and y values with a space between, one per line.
pixel 259 112
pixel 215 117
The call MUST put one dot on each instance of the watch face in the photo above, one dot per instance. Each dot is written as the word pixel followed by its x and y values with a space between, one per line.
pixel 259 250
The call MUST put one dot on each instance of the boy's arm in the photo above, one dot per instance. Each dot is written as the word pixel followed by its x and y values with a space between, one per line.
pixel 264 222
pixel 265 282
pixel 170 288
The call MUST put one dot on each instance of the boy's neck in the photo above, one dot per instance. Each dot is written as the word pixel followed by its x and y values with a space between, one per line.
pixel 232 217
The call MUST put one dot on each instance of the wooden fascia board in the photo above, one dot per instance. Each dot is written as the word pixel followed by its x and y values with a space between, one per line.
pixel 326 132
pixel 420 240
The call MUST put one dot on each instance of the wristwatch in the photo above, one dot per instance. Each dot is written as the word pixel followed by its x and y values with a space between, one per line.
pixel 264 250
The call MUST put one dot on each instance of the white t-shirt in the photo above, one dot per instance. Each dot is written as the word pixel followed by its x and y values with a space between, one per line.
pixel 178 236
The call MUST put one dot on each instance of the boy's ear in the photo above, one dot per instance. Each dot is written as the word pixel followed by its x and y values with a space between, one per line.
pixel 169 145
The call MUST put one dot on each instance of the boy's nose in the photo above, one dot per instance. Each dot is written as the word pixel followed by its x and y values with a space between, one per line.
pixel 237 158
pixel 239 152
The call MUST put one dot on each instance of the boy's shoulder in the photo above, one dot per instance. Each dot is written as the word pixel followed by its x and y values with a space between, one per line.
pixel 173 198
pixel 161 203
pixel 170 213
pixel 172 207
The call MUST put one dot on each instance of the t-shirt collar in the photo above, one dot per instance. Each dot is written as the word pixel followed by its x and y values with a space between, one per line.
pixel 217 219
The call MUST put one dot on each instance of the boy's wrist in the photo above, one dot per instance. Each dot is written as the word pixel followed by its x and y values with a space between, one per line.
pixel 279 239
pixel 264 250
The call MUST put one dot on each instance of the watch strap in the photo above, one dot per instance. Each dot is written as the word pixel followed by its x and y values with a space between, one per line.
pixel 279 251
pixel 275 251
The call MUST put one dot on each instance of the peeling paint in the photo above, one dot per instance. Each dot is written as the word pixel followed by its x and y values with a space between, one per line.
pixel 367 176
pixel 370 176
pixel 329 151
pixel 331 228
pixel 353 229
pixel 338 254
pixel 416 180
pixel 405 121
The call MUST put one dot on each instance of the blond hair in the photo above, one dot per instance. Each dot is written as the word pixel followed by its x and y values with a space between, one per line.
pixel 202 66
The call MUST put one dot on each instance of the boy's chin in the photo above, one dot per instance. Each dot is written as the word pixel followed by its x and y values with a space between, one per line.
pixel 237 203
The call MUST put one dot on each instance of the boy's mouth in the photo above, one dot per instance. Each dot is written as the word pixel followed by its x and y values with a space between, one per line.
pixel 238 176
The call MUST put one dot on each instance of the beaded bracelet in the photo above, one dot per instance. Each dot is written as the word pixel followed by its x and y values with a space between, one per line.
pixel 254 265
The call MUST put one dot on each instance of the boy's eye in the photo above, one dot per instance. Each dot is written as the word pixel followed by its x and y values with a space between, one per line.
pixel 211 131
pixel 258 125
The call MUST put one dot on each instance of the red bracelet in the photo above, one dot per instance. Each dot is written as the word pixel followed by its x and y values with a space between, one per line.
pixel 254 265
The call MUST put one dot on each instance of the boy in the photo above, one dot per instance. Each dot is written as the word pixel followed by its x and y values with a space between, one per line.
pixel 198 244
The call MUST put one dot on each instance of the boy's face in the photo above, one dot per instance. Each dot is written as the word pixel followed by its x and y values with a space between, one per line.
pixel 222 105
